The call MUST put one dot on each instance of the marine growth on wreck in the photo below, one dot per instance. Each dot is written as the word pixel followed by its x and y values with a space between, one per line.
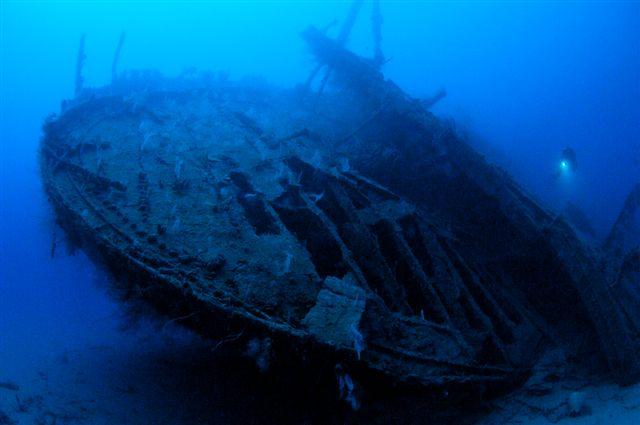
pixel 339 229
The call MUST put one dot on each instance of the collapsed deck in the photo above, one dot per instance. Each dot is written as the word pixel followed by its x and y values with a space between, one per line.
pixel 353 223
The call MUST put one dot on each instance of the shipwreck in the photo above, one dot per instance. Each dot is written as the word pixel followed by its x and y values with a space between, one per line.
pixel 338 220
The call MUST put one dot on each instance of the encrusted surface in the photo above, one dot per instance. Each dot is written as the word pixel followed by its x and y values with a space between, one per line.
pixel 240 205
pixel 352 222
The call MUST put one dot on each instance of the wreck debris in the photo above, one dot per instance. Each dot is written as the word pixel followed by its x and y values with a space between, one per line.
pixel 346 388
pixel 622 261
pixel 429 102
pixel 116 58
pixel 79 80
pixel 342 38
pixel 360 270
pixel 7 385
pixel 625 234
pixel 404 127
pixel 579 220
pixel 376 27
pixel 6 419
pixel 383 243
pixel 348 23
pixel 100 182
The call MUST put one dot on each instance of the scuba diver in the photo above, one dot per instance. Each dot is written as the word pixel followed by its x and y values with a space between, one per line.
pixel 568 162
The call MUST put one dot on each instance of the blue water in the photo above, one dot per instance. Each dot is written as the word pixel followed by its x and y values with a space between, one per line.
pixel 524 80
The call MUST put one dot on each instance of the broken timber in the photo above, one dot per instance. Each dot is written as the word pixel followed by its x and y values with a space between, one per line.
pixel 365 233
pixel 435 169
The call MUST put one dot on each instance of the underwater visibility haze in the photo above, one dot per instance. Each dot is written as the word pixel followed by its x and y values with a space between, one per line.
pixel 319 212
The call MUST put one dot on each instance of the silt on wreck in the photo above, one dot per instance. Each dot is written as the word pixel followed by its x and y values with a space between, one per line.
pixel 344 227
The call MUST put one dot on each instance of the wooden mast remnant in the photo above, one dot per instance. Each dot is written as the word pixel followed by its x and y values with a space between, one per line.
pixel 376 27
pixel 79 65
pixel 343 36
pixel 116 58
pixel 550 247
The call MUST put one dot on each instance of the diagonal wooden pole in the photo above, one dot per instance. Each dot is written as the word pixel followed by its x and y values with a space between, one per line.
pixel 116 58
pixel 376 27
pixel 79 84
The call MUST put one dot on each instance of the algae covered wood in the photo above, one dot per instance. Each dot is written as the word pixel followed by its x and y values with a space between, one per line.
pixel 493 220
pixel 221 203
pixel 353 229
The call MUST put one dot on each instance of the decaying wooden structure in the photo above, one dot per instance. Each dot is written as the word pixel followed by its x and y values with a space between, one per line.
pixel 354 224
